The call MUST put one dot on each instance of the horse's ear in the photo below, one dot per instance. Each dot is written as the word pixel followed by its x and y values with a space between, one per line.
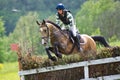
pixel 43 21
pixel 38 22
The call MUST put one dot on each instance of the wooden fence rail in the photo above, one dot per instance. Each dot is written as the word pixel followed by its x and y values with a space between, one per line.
pixel 84 64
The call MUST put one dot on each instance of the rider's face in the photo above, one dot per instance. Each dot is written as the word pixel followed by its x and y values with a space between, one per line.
pixel 60 11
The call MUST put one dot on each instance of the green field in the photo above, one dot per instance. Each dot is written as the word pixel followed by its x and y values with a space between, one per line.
pixel 9 71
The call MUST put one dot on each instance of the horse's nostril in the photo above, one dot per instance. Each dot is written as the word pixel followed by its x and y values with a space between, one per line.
pixel 45 43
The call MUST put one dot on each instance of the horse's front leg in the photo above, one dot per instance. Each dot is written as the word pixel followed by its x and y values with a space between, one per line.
pixel 53 58
pixel 57 53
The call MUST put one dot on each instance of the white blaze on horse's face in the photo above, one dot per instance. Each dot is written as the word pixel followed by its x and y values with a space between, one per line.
pixel 44 34
pixel 43 42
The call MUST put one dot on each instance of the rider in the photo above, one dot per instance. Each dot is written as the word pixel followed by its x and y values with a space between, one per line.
pixel 65 19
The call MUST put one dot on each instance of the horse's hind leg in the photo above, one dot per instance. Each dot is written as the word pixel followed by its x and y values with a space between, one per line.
pixel 49 54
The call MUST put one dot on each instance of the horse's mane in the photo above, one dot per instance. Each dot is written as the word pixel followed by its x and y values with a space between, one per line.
pixel 53 24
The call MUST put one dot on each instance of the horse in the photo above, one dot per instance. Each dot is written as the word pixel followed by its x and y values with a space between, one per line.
pixel 61 42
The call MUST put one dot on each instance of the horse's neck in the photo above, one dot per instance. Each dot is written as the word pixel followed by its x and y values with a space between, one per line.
pixel 52 29
pixel 56 32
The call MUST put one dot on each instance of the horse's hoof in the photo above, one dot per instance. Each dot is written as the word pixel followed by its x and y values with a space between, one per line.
pixel 59 56
pixel 53 58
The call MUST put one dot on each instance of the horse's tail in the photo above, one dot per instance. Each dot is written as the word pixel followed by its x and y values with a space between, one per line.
pixel 101 39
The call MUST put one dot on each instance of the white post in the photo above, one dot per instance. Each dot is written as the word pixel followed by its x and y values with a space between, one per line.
pixel 22 77
pixel 86 72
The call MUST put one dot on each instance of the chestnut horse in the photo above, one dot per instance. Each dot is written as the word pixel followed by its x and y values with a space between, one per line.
pixel 62 43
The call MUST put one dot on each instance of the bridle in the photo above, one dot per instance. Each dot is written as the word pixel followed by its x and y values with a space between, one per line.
pixel 46 38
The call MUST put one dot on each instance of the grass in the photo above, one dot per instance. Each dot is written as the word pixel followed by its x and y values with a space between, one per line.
pixel 116 43
pixel 9 71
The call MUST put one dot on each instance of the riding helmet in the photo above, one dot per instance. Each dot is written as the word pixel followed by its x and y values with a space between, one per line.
pixel 60 6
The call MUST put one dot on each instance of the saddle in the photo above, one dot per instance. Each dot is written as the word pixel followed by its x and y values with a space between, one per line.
pixel 74 40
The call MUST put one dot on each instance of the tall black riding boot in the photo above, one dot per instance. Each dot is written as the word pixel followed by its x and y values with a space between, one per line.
pixel 77 41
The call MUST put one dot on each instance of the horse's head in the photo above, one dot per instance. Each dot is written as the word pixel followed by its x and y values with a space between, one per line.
pixel 44 30
pixel 47 30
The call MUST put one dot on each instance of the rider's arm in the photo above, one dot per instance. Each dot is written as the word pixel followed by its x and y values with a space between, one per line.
pixel 72 25
pixel 71 19
pixel 58 21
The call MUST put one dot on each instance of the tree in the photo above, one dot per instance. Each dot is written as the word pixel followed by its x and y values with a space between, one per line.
pixel 108 21
pixel 24 6
pixel 99 14
pixel 2 31
pixel 27 33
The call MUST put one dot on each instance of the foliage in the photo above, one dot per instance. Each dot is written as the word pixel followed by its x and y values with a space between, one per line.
pixel 108 21
pixel 2 29
pixel 96 32
pixel 114 41
pixel 27 33
pixel 103 14
pixel 1 66
pixel 12 10
pixel 2 50
pixel 31 62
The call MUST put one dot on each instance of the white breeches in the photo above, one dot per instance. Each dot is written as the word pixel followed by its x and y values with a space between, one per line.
pixel 74 30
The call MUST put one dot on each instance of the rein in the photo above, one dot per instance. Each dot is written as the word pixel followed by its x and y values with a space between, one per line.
pixel 46 37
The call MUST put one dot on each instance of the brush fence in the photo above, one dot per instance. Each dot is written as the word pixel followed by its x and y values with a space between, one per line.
pixel 84 64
